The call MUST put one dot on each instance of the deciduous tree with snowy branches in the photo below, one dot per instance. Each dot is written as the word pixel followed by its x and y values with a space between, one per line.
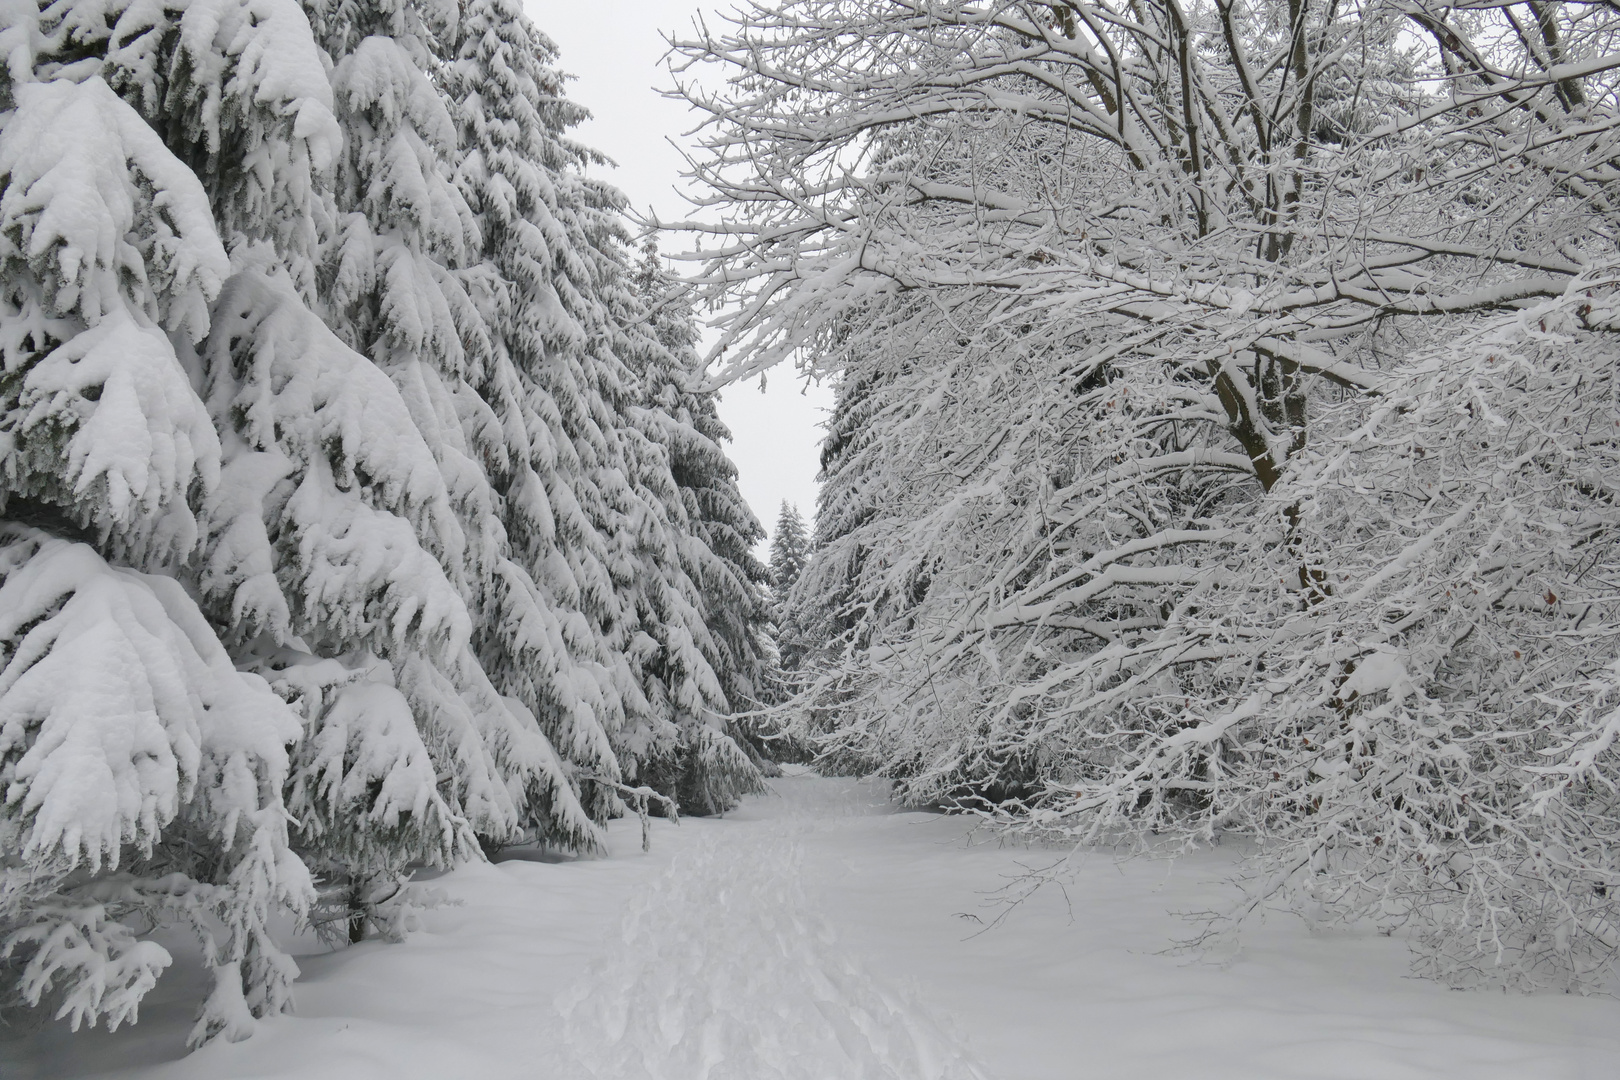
pixel 1112 281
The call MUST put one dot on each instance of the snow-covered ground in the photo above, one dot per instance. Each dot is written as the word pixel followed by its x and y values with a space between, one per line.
pixel 819 935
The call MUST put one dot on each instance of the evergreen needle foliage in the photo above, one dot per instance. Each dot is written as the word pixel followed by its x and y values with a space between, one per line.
pixel 790 552
pixel 360 507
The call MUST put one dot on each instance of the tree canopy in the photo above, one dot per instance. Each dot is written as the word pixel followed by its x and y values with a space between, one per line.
pixel 1190 472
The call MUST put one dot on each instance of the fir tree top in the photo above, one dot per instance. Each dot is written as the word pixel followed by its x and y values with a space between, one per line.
pixel 790 548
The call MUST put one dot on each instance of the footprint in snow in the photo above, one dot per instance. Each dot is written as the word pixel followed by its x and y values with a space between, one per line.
pixel 723 973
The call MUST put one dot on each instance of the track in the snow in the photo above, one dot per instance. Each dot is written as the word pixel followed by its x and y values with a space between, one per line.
pixel 723 971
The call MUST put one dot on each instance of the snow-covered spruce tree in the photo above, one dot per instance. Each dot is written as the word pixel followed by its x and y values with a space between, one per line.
pixel 318 548
pixel 734 586
pixel 557 447
pixel 685 747
pixel 308 570
pixel 256 436
pixel 254 119
pixel 546 637
pixel 1110 278
pixel 596 509
pixel 143 771
pixel 682 415
pixel 639 516
pixel 382 524
pixel 790 550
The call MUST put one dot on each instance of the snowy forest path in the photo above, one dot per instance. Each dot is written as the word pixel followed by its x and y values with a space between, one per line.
pixel 821 933
pixel 727 969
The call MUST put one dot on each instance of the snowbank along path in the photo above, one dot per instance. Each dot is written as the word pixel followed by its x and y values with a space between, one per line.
pixel 817 934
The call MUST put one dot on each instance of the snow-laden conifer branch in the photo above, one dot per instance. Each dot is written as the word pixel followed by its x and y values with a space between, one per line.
pixel 369 496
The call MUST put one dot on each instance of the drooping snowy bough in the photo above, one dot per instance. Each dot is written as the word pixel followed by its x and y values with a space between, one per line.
pixel 143 783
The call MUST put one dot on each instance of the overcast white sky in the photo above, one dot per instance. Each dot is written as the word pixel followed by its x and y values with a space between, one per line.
pixel 614 50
